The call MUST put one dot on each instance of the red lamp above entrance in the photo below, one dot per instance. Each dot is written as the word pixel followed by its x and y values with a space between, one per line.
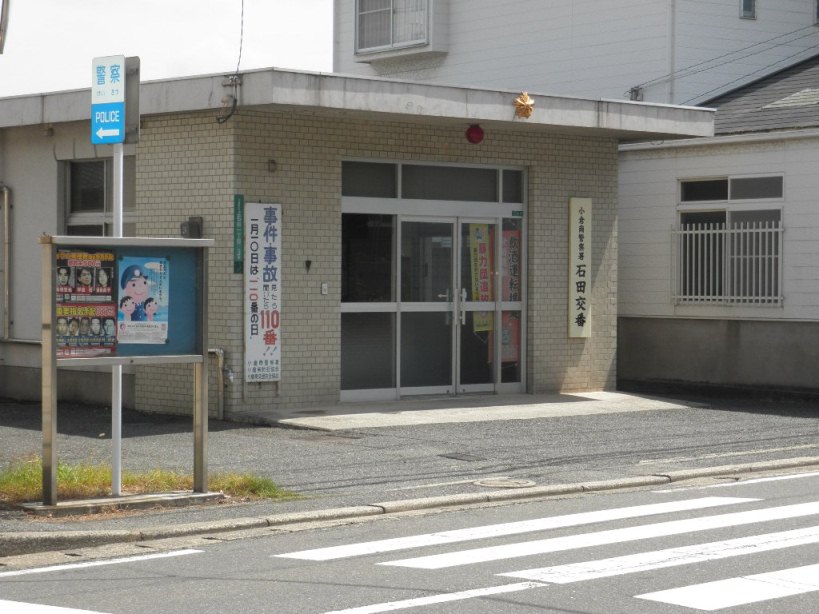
pixel 474 134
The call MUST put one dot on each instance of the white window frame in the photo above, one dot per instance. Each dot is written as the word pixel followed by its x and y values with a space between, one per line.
pixel 698 204
pixel 747 9
pixel 716 247
pixel 103 219
pixel 392 44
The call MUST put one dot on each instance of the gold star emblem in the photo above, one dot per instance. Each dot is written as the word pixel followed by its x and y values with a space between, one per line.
pixel 524 105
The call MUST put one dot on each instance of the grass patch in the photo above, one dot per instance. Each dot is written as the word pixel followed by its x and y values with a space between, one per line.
pixel 22 482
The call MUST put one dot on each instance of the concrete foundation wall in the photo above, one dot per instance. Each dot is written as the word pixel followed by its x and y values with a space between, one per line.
pixel 733 353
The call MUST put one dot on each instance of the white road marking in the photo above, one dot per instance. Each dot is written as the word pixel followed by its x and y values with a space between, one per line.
pixel 612 536
pixel 671 557
pixel 711 596
pixel 777 478
pixel 15 607
pixel 511 528
pixel 442 598
pixel 682 459
pixel 70 566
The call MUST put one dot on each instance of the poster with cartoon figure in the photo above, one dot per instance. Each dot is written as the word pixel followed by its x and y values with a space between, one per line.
pixel 142 314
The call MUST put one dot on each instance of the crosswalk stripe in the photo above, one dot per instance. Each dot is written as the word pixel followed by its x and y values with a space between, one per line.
pixel 510 528
pixel 776 478
pixel 127 559
pixel 391 606
pixel 16 607
pixel 670 557
pixel 711 596
pixel 612 536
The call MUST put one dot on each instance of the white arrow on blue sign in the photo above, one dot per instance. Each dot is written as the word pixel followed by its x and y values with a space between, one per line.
pixel 108 100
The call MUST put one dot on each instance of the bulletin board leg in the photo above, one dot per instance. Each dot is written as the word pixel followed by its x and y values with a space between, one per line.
pixel 49 379
pixel 49 399
pixel 200 427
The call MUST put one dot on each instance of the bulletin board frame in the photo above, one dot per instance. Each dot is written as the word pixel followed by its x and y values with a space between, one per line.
pixel 172 332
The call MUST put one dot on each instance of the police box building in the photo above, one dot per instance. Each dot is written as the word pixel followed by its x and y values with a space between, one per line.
pixel 374 239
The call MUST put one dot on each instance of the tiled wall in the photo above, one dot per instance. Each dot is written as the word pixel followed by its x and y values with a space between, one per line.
pixel 191 165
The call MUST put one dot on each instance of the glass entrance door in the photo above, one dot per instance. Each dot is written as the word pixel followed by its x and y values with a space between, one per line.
pixel 432 305
pixel 460 306
pixel 476 311
pixel 426 306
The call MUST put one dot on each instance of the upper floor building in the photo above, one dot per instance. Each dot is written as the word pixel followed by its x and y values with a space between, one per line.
pixel 668 51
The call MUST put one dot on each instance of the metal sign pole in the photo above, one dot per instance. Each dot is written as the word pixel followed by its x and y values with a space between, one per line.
pixel 116 370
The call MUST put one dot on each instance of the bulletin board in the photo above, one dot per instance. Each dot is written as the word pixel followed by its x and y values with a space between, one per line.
pixel 114 300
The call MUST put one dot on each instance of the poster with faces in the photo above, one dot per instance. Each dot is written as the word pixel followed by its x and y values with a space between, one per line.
pixel 85 323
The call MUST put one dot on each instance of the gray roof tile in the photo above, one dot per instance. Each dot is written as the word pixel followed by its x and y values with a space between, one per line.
pixel 785 100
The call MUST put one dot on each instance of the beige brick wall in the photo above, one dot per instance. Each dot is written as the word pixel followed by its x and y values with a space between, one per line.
pixel 184 168
pixel 191 165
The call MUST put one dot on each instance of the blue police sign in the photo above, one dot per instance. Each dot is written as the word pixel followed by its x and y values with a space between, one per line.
pixel 108 100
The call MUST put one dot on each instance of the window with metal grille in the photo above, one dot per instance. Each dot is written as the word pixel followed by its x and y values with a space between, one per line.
pixel 729 257
pixel 391 24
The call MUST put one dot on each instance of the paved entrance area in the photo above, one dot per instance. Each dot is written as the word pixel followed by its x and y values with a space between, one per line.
pixel 451 410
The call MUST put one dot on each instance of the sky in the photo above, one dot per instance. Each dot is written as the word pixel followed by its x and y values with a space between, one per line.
pixel 50 44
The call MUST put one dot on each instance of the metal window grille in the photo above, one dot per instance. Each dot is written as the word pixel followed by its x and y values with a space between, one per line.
pixel 736 264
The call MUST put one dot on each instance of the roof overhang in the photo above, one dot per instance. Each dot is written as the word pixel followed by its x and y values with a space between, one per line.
pixel 408 101
pixel 750 138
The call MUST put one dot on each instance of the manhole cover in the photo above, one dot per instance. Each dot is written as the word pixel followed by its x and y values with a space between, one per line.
pixel 505 483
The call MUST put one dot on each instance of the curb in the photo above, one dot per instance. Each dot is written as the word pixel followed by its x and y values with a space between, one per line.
pixel 29 542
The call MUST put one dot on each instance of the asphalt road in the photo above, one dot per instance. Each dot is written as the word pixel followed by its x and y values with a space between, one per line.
pixel 752 546
pixel 357 466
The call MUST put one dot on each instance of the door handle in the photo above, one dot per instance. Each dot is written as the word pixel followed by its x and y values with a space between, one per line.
pixel 461 306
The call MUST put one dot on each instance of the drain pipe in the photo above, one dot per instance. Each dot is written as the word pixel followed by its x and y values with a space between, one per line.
pixel 6 261
pixel 220 381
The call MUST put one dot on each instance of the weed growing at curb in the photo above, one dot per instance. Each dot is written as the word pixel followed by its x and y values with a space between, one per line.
pixel 21 482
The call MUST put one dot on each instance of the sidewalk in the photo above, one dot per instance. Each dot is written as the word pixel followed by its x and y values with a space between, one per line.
pixel 351 461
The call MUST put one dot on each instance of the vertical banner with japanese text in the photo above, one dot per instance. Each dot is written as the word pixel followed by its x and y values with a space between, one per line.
pixel 263 292
pixel 238 232
pixel 481 253
pixel 580 281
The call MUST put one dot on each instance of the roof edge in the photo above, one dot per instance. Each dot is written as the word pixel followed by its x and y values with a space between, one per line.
pixel 274 87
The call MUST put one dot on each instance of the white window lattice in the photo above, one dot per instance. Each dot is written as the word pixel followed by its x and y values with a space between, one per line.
pixel 732 264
